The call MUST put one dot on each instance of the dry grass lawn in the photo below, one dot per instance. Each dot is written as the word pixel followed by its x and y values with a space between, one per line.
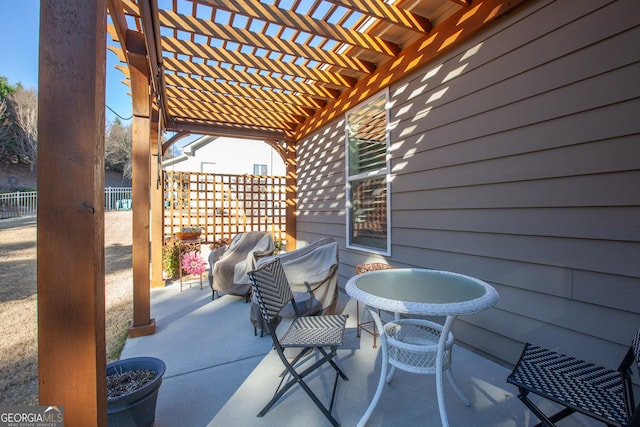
pixel 18 286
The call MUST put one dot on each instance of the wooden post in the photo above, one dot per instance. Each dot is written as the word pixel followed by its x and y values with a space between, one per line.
pixel 140 168
pixel 291 195
pixel 157 226
pixel 157 207
pixel 71 278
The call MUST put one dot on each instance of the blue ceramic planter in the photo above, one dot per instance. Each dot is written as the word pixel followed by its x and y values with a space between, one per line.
pixel 137 409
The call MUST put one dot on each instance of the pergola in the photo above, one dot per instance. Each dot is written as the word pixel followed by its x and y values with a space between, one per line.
pixel 274 70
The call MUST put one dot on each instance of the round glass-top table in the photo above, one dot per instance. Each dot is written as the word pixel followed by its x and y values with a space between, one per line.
pixel 416 291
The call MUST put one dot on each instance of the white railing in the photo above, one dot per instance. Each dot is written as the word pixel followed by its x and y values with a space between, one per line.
pixel 18 204
pixel 25 203
pixel 117 198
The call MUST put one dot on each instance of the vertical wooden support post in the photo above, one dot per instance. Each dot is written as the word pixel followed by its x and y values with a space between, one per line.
pixel 157 207
pixel 291 195
pixel 157 224
pixel 71 283
pixel 140 167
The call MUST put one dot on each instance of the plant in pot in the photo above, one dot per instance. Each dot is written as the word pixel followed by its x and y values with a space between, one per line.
pixel 171 258
pixel 189 233
pixel 132 391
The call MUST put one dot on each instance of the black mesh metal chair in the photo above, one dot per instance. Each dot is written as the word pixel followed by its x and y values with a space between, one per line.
pixel 322 333
pixel 578 386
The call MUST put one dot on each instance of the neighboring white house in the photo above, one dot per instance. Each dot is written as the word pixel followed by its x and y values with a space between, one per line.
pixel 224 155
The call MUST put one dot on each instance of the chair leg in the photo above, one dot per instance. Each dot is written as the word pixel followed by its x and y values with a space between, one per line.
pixel 326 355
pixel 358 318
pixel 298 378
pixel 544 420
pixel 333 363
pixel 325 411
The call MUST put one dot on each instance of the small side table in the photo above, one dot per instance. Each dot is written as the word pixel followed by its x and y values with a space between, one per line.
pixel 185 246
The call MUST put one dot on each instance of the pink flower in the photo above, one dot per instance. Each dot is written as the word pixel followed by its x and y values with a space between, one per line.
pixel 193 263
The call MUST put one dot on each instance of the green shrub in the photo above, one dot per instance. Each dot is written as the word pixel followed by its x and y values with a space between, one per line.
pixel 171 259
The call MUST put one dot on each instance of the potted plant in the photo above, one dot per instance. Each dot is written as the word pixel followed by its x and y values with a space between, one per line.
pixel 189 233
pixel 280 247
pixel 132 391
pixel 171 258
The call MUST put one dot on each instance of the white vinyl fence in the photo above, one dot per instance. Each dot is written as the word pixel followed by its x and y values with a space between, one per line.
pixel 117 198
pixel 25 203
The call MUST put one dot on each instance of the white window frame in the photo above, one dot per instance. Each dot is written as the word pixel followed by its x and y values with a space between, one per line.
pixel 381 173
pixel 261 166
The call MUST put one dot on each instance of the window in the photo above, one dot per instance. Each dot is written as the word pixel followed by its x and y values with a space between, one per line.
pixel 259 169
pixel 367 177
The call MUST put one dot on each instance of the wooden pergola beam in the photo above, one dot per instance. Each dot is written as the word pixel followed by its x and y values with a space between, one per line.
pixel 151 31
pixel 175 138
pixel 222 130
pixel 229 117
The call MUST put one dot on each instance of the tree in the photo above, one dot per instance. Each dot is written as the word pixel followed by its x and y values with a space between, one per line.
pixel 25 115
pixel 7 89
pixel 18 123
pixel 5 120
pixel 19 130
pixel 117 147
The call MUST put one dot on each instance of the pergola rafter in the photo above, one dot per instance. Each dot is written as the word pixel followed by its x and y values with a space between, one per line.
pixel 306 23
pixel 388 13
pixel 285 61
pixel 198 70
pixel 274 63
pixel 238 102
pixel 242 90
pixel 228 33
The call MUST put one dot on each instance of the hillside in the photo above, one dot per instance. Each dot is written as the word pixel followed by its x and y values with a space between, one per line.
pixel 26 179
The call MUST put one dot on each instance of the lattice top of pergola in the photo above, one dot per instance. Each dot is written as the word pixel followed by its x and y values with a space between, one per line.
pixel 276 68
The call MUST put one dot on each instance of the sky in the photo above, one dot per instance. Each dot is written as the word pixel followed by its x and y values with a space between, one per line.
pixel 19 32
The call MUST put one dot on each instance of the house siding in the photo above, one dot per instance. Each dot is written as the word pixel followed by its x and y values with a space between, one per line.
pixel 515 159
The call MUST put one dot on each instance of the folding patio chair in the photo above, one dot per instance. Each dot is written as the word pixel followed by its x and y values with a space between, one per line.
pixel 578 386
pixel 323 333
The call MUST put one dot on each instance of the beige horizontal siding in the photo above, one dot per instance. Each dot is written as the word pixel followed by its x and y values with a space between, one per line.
pixel 515 159
pixel 615 223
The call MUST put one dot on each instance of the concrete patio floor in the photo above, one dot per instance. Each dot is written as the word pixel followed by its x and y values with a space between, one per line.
pixel 220 374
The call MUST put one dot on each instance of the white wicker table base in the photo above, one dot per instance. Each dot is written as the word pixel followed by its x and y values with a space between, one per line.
pixel 426 349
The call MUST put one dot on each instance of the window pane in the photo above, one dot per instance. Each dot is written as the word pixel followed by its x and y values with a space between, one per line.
pixel 259 169
pixel 369 213
pixel 367 133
